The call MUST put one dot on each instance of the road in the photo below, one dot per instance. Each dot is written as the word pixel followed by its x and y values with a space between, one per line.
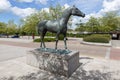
pixel 10 52
pixel 97 62
pixel 115 50
pixel 9 48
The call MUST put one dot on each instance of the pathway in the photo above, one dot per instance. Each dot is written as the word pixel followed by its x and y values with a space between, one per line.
pixel 73 44
pixel 91 67
pixel 115 50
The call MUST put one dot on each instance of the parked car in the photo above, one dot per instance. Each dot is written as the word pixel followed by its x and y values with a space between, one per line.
pixel 115 35
pixel 15 36
pixel 3 36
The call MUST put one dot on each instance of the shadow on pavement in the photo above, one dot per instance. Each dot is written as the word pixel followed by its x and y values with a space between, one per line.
pixel 85 58
pixel 79 74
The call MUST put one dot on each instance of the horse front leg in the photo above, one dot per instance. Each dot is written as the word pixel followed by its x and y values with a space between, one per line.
pixel 57 38
pixel 65 44
pixel 41 37
pixel 41 43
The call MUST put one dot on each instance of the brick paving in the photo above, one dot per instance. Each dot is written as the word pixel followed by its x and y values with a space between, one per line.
pixel 115 50
pixel 73 44
pixel 90 68
pixel 115 54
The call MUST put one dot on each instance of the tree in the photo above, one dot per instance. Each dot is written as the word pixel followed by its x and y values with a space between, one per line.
pixel 118 26
pixel 20 26
pixel 81 27
pixel 110 20
pixel 93 23
pixel 30 22
pixel 56 12
pixel 11 27
pixel 2 28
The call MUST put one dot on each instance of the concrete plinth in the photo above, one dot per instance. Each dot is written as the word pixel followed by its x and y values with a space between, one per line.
pixel 62 64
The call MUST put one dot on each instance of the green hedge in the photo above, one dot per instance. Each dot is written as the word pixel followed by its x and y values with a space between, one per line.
pixel 49 39
pixel 77 35
pixel 45 39
pixel 98 38
pixel 68 35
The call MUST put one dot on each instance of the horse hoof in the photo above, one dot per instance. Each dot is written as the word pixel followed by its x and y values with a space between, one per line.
pixel 56 50
pixel 45 49
pixel 67 50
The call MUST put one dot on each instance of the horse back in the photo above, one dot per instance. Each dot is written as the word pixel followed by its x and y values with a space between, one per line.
pixel 42 23
pixel 53 26
pixel 41 26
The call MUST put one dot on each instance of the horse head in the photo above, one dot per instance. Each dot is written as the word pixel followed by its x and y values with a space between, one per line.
pixel 77 12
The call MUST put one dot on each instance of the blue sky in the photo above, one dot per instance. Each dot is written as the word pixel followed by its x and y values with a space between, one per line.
pixel 17 9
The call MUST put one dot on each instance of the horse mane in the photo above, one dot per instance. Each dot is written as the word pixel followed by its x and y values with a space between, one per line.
pixel 65 11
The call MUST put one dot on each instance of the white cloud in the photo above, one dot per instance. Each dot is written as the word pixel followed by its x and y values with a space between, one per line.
pixel 45 9
pixel 66 6
pixel 41 1
pixel 4 5
pixel 24 0
pixel 23 12
pixel 87 5
pixel 110 5
pixel 96 15
pixel 75 20
pixel 36 1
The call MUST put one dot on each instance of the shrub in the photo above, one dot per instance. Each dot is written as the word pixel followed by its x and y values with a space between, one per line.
pixel 99 38
pixel 77 35
pixel 61 37
pixel 45 39
pixel 50 34
pixel 48 39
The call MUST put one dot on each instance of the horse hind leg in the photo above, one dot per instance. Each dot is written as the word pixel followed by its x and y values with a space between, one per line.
pixel 42 38
pixel 57 38
pixel 56 42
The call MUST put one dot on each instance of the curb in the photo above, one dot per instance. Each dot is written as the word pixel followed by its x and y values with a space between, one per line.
pixel 97 44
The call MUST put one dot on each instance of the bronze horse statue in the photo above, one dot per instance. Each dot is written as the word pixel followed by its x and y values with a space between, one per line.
pixel 58 26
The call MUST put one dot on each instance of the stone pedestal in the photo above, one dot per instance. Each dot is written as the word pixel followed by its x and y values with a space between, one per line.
pixel 62 64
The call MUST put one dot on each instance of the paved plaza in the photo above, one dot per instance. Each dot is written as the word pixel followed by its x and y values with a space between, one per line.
pixel 73 44
pixel 96 62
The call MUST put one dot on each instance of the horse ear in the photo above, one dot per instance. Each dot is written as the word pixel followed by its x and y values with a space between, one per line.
pixel 73 5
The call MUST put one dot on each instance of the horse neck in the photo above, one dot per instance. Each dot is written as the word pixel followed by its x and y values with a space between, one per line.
pixel 65 17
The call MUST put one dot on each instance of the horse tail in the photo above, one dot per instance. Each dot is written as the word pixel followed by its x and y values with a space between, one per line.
pixel 38 29
pixel 41 26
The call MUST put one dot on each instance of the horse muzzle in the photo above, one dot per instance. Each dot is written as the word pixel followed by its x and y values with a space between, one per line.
pixel 83 15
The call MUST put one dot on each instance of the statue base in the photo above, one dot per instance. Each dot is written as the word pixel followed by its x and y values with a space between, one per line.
pixel 62 62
